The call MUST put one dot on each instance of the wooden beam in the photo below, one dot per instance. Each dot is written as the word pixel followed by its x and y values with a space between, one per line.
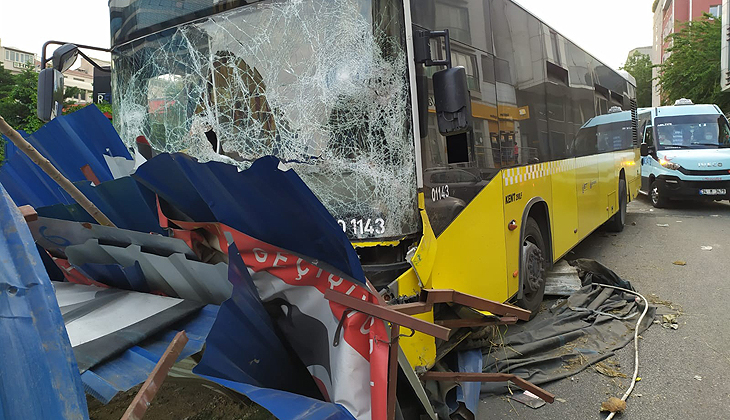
pixel 144 396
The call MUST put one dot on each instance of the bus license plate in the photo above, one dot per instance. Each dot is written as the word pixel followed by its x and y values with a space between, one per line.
pixel 713 191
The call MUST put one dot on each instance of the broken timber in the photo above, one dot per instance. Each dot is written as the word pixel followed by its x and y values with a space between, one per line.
pixel 144 396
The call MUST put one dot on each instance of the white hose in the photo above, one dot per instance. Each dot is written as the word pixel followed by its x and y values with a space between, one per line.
pixel 636 341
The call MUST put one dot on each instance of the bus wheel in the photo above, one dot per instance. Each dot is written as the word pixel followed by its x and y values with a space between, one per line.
pixel 532 268
pixel 657 200
pixel 618 221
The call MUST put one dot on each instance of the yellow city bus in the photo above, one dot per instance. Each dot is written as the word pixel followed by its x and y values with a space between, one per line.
pixel 338 91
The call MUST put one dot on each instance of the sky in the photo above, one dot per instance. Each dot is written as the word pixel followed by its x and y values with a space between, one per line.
pixel 608 29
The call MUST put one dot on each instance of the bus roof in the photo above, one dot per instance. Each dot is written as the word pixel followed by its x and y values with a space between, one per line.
pixel 608 118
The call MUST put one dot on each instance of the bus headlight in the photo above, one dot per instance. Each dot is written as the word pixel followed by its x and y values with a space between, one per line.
pixel 669 165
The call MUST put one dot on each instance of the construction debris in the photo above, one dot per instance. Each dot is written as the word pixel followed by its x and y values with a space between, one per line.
pixel 562 280
pixel 610 371
pixel 613 405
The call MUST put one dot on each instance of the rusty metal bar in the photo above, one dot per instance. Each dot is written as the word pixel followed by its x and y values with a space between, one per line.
pixel 144 396
pixel 489 377
pixel 387 314
pixel 90 175
pixel 476 322
pixel 452 296
pixel 393 370
pixel 29 213
pixel 413 308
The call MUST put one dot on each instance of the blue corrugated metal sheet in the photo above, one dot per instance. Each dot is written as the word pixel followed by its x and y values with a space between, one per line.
pixel 78 139
pixel 69 142
pixel 133 366
pixel 26 183
pixel 244 353
pixel 126 202
pixel 216 191
pixel 40 378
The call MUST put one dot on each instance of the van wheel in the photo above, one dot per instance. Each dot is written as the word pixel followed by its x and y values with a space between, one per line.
pixel 532 268
pixel 617 222
pixel 657 200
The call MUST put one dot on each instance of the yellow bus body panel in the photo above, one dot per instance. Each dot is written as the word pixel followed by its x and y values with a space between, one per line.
pixel 477 253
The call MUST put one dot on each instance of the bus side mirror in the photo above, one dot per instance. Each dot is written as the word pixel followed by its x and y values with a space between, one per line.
pixel 50 94
pixel 452 101
pixel 65 56
pixel 644 149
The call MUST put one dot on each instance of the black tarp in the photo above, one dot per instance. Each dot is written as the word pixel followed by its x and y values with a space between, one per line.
pixel 572 335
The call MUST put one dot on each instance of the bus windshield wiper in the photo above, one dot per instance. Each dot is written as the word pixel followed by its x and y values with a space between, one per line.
pixel 679 146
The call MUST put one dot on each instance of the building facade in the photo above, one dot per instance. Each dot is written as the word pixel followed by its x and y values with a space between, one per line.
pixel 668 17
pixel 81 77
pixel 17 60
pixel 640 50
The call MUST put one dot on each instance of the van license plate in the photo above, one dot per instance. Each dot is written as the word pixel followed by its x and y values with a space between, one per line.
pixel 714 191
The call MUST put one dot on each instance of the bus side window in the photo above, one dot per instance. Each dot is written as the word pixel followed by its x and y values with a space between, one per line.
pixel 586 142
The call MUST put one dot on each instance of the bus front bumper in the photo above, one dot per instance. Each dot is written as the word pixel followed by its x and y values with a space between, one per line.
pixel 679 189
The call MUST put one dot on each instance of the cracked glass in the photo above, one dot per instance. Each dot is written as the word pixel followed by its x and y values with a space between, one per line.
pixel 321 84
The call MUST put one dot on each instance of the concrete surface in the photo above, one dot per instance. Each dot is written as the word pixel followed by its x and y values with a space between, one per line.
pixel 669 360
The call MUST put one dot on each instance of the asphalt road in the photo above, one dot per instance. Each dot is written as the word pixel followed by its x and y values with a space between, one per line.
pixel 669 360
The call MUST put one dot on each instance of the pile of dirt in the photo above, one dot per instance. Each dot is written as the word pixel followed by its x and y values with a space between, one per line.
pixel 184 399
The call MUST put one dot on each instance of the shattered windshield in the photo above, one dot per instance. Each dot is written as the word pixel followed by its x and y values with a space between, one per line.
pixel 321 84
pixel 692 132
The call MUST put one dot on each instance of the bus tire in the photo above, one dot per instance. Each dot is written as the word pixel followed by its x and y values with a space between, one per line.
pixel 532 268
pixel 617 222
pixel 657 200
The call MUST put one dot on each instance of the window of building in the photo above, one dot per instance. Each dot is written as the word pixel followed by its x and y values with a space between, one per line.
pixel 716 10
pixel 456 19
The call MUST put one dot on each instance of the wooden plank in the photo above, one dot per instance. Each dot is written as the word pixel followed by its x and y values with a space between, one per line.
pixel 144 397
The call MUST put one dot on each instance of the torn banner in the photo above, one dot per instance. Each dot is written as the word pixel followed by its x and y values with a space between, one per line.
pixel 295 252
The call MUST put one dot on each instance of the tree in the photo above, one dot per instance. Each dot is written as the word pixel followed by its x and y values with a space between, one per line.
pixel 639 65
pixel 693 69
pixel 19 106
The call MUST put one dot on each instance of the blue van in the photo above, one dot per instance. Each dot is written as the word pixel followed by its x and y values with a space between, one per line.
pixel 685 153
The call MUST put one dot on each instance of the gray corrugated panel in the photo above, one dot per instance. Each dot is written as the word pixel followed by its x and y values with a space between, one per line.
pixel 55 235
pixel 173 275
pixel 104 322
